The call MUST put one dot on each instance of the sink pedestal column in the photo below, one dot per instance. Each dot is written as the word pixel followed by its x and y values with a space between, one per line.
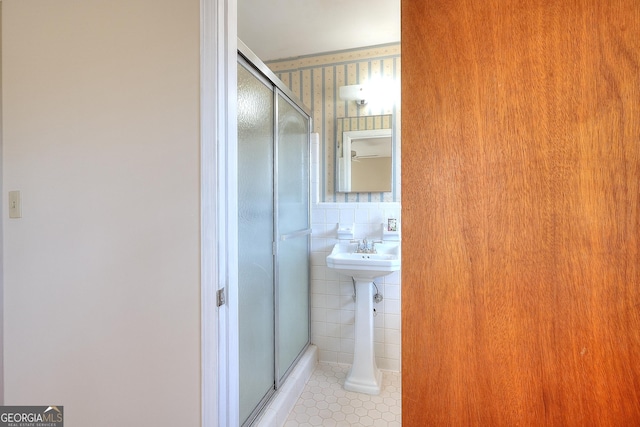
pixel 364 376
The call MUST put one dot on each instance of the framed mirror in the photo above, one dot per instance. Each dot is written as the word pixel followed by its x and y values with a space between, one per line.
pixel 364 154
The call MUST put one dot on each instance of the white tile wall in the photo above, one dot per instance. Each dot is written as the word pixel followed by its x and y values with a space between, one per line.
pixel 332 305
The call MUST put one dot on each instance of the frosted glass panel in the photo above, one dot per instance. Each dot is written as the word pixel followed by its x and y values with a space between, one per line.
pixel 293 168
pixel 255 237
pixel 293 249
pixel 293 292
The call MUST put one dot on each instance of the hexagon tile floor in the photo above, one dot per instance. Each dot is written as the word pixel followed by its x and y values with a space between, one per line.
pixel 325 403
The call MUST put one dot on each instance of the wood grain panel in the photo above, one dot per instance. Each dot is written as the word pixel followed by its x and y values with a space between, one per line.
pixel 521 246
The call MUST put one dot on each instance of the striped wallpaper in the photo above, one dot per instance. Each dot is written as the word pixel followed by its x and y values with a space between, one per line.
pixel 316 79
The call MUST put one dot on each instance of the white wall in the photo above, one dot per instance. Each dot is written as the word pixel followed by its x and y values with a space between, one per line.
pixel 101 275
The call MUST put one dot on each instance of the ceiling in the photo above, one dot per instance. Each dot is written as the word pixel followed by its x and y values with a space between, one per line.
pixel 276 29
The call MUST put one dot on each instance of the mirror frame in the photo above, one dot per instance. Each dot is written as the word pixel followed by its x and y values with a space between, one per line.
pixel 344 159
pixel 377 124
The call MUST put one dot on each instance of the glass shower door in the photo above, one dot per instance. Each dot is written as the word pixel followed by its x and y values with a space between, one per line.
pixel 292 284
pixel 255 241
pixel 273 235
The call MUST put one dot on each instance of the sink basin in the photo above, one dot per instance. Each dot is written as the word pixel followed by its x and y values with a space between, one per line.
pixel 345 260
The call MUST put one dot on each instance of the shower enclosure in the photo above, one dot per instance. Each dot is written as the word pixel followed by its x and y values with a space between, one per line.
pixel 274 232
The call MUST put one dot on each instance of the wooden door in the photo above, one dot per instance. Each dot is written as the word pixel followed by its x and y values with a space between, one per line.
pixel 520 195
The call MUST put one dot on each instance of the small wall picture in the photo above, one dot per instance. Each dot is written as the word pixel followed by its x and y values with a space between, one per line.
pixel 392 224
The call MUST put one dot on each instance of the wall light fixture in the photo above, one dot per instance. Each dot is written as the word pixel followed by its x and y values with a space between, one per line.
pixel 355 93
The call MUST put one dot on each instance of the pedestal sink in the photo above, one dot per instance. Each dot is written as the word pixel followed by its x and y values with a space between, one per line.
pixel 364 376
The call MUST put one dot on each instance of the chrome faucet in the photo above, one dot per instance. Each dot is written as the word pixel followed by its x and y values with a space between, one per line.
pixel 366 247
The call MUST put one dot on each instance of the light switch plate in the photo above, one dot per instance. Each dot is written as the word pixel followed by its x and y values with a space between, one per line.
pixel 15 205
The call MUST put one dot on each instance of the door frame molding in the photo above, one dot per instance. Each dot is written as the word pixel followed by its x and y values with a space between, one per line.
pixel 1 239
pixel 218 196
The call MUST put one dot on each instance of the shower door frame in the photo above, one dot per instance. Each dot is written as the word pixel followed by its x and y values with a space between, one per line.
pixel 253 64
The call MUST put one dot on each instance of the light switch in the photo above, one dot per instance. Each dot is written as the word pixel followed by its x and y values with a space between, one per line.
pixel 15 205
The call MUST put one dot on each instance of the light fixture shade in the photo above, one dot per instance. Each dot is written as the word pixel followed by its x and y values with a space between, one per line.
pixel 353 93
